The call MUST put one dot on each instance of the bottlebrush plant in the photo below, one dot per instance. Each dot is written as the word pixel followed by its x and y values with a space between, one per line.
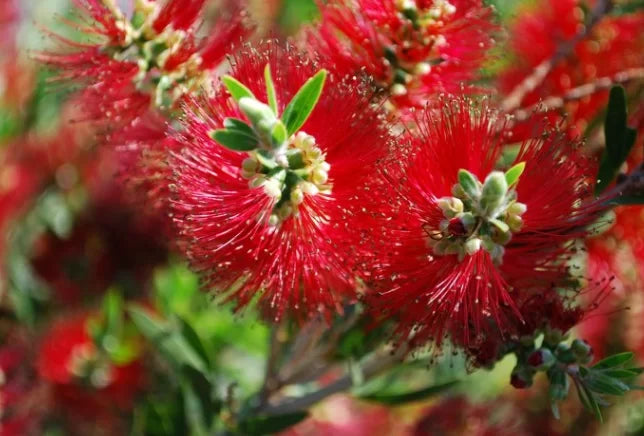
pixel 303 217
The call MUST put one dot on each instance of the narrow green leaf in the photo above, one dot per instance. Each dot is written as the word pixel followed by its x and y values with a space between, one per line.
pixel 257 426
pixel 237 89
pixel 588 399
pixel 619 139
pixel 239 126
pixel 512 175
pixel 614 360
pixel 397 399
pixel 200 407
pixel 627 200
pixel 192 337
pixel 270 89
pixel 603 384
pixel 624 374
pixel 172 345
pixel 300 108
pixel 235 140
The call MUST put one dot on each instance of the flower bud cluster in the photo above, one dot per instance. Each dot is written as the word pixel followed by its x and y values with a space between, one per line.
pixel 87 364
pixel 423 22
pixel 478 216
pixel 554 359
pixel 150 50
pixel 288 174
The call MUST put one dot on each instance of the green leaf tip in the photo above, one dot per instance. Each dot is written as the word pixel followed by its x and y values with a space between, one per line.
pixel 513 174
pixel 270 89
pixel 235 140
pixel 237 89
pixel 301 106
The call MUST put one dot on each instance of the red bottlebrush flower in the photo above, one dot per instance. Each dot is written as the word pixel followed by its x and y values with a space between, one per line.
pixel 151 58
pixel 614 45
pixel 520 231
pixel 412 48
pixel 70 360
pixel 284 236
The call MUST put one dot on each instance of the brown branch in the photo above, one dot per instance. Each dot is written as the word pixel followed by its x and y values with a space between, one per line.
pixel 372 366
pixel 513 101
pixel 557 102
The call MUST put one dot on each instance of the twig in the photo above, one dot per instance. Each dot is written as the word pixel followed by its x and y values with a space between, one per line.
pixel 374 365
pixel 557 102
pixel 513 101
pixel 270 381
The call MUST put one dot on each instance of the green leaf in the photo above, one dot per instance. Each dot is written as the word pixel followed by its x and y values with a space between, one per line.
pixel 237 89
pixel 422 394
pixel 623 374
pixel 257 426
pixel 235 140
pixel 619 139
pixel 301 106
pixel 191 336
pixel 113 312
pixel 512 175
pixel 614 360
pixel 627 7
pixel 239 126
pixel 587 398
pixel 173 346
pixel 270 89
pixel 199 405
pixel 628 200
pixel 603 384
pixel 279 135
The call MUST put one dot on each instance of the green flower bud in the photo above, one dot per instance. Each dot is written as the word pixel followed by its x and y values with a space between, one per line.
pixel 565 354
pixel 493 195
pixel 541 359
pixel 582 351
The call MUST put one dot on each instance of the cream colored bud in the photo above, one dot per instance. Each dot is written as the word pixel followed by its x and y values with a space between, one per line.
pixel 257 182
pixel 422 68
pixel 515 222
pixel 297 196
pixel 472 246
pixel 309 188
pixel 273 221
pixel 273 188
pixel 451 206
pixel 320 177
pixel 517 208
pixel 250 164
pixel 398 90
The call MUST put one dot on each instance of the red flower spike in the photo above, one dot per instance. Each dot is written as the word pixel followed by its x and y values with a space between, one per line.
pixel 152 58
pixel 413 49
pixel 302 262
pixel 68 354
pixel 440 284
